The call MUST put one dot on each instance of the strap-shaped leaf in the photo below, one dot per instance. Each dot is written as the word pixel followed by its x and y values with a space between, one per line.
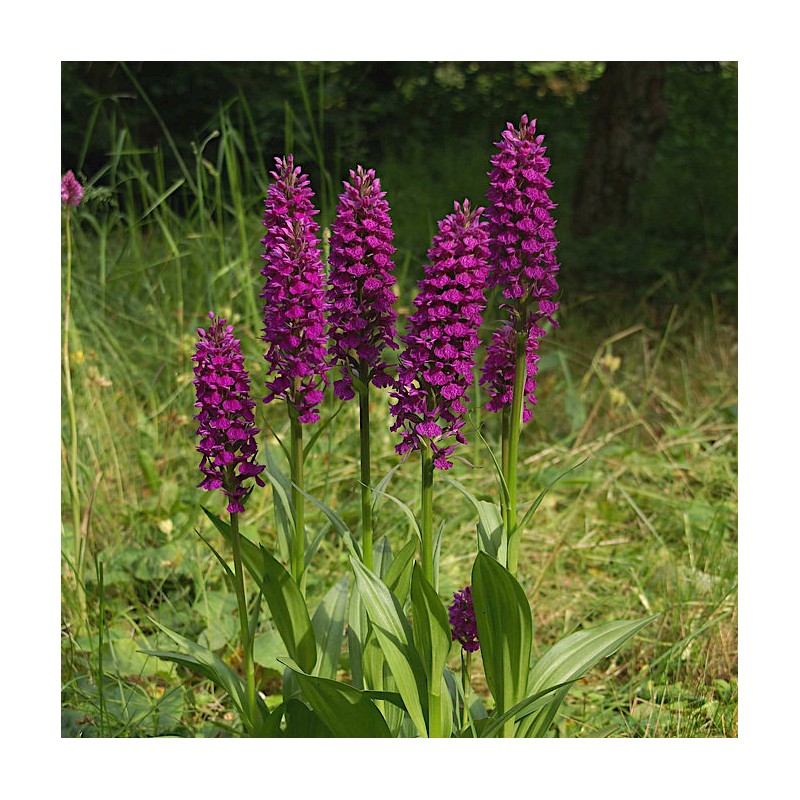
pixel 570 659
pixel 432 637
pixel 431 628
pixel 398 576
pixel 396 642
pixel 328 623
pixel 289 612
pixel 505 630
pixel 206 663
pixel 346 711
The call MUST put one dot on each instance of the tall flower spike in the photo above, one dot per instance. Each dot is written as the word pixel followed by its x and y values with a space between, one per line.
pixel 522 245
pixel 71 190
pixel 462 620
pixel 361 315
pixel 294 294
pixel 436 366
pixel 225 419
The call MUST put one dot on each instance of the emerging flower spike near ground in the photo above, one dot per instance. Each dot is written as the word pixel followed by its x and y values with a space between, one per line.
pixel 522 245
pixel 71 190
pixel 361 315
pixel 436 366
pixel 462 620
pixel 294 294
pixel 225 420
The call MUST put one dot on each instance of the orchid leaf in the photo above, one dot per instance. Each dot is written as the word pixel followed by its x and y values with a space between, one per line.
pixel 346 711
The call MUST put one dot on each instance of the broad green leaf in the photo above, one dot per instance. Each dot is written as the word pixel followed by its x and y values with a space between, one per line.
pixel 346 711
pixel 570 659
pixel 303 723
pixel 289 612
pixel 505 630
pixel 394 636
pixel 528 706
pixel 431 627
pixel 398 576
pixel 378 679
pixel 357 630
pixel 382 556
pixel 209 665
pixel 432 637
pixel 328 623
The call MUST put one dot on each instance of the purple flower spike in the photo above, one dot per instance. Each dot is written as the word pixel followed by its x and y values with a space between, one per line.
pixel 225 420
pixel 436 366
pixel 522 246
pixel 294 294
pixel 462 620
pixel 71 190
pixel 498 369
pixel 361 315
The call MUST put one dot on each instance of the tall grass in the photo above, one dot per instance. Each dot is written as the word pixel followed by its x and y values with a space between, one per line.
pixel 647 523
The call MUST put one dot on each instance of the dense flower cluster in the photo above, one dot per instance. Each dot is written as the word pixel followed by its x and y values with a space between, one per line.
pixel 524 265
pixel 436 366
pixel 361 315
pixel 71 190
pixel 294 293
pixel 462 620
pixel 522 241
pixel 498 369
pixel 225 420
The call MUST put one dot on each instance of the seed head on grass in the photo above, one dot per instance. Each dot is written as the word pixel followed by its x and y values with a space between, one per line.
pixel 293 294
pixel 462 620
pixel 225 420
pixel 361 315
pixel 436 366
pixel 71 190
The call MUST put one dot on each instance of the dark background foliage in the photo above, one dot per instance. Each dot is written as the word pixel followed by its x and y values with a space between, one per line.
pixel 644 155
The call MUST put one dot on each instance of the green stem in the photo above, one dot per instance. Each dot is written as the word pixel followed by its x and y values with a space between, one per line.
pixel 466 685
pixel 244 627
pixel 427 511
pixel 366 480
pixel 515 426
pixel 504 440
pixel 73 433
pixel 435 712
pixel 296 454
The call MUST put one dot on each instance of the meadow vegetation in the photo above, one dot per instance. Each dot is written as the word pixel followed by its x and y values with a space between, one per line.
pixel 637 393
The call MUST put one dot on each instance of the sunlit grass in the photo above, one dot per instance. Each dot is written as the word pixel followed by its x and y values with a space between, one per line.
pixel 647 523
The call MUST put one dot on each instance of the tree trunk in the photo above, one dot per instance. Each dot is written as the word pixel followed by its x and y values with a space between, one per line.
pixel 628 119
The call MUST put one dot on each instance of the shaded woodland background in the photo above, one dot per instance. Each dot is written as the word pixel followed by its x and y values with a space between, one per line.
pixel 644 154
